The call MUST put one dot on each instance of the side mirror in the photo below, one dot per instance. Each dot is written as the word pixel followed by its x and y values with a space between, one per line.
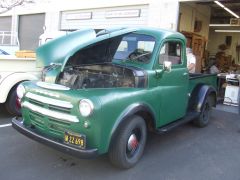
pixel 167 66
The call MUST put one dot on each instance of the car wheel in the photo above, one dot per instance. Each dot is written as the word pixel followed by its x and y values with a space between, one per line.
pixel 128 145
pixel 203 118
pixel 12 104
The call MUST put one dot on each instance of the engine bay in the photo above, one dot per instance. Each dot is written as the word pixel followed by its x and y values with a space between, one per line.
pixel 96 76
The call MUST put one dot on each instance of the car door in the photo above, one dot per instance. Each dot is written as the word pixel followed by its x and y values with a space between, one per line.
pixel 172 84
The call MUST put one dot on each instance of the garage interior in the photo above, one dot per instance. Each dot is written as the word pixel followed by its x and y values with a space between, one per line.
pixel 212 29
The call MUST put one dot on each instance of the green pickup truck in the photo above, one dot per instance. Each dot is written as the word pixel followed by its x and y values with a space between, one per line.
pixel 102 92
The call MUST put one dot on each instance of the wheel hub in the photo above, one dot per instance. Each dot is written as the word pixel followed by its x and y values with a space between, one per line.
pixel 132 142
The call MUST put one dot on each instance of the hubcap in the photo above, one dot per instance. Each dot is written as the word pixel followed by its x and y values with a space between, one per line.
pixel 132 143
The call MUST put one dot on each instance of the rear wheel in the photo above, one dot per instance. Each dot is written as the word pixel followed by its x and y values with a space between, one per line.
pixel 205 114
pixel 128 145
pixel 12 104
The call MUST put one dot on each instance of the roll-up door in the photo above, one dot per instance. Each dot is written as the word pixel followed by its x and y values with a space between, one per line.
pixel 30 28
pixel 5 23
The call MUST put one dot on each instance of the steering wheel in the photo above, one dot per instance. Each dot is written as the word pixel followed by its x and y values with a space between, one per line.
pixel 133 55
pixel 140 56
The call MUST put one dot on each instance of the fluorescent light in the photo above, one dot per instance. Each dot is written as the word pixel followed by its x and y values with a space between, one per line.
pixel 218 25
pixel 226 9
pixel 220 4
pixel 225 30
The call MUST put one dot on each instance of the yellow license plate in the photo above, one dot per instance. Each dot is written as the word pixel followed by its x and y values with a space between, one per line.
pixel 75 139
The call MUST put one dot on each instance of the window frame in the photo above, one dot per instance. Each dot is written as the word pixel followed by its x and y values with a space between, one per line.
pixel 174 66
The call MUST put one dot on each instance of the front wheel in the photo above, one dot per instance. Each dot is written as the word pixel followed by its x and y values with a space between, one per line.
pixel 128 145
pixel 203 119
pixel 12 104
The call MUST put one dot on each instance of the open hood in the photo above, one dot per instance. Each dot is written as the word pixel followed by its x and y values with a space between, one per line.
pixel 61 49
pixel 56 50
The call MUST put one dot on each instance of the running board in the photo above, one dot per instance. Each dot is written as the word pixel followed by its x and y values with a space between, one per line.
pixel 189 116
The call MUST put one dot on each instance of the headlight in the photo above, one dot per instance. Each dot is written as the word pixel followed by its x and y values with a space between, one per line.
pixel 86 107
pixel 20 91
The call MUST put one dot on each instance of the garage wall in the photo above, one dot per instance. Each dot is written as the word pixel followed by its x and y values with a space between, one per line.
pixel 52 21
pixel 163 14
pixel 105 17
pixel 30 28
pixel 218 38
pixel 191 12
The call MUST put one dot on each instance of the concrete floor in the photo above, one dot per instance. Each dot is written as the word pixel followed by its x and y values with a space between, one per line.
pixel 228 108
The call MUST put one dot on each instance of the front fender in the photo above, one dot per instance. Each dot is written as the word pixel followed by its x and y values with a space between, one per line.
pixel 133 109
pixel 11 80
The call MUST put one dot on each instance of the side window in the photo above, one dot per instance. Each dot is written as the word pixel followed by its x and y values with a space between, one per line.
pixel 171 51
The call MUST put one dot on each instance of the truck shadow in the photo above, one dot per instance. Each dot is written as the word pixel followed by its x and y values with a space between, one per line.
pixel 158 147
pixel 3 112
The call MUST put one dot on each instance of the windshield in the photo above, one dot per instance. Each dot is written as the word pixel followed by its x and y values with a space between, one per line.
pixel 135 47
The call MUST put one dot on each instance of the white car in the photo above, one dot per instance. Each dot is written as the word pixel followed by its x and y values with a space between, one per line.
pixel 13 71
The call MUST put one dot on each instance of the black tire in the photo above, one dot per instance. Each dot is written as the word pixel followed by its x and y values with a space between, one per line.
pixel 128 145
pixel 12 105
pixel 203 118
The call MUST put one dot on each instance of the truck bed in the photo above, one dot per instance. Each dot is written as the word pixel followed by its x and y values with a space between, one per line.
pixel 197 78
pixel 10 63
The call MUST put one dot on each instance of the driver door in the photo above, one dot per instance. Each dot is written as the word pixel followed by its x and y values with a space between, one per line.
pixel 173 84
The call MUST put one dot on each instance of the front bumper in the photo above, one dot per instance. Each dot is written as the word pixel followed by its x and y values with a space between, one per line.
pixel 17 123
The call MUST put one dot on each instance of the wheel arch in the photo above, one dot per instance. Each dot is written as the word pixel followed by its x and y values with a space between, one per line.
pixel 199 96
pixel 141 110
pixel 11 81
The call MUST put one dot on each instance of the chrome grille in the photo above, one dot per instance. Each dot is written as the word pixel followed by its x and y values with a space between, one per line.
pixel 51 108
pixel 49 103
pixel 60 109
pixel 36 119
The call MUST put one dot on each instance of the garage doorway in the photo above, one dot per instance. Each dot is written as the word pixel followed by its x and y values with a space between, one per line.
pixel 212 29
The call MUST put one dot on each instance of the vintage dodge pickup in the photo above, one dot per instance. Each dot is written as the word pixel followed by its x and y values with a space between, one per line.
pixel 102 92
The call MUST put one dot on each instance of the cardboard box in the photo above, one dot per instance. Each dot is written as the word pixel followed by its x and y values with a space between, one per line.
pixel 25 54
